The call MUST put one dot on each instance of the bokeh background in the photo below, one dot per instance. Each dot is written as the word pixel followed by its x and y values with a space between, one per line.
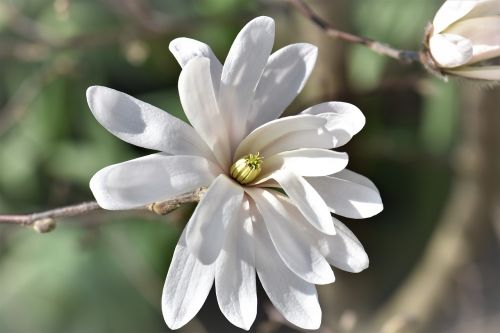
pixel 429 145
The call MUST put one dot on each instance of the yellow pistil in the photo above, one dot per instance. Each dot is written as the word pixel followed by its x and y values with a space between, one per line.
pixel 247 168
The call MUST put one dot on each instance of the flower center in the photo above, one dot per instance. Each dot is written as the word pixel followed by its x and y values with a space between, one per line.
pixel 247 168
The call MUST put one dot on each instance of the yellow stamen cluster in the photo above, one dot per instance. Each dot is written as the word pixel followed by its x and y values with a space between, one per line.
pixel 247 168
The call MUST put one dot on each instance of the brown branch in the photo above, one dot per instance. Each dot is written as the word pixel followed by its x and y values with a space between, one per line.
pixel 377 47
pixel 45 221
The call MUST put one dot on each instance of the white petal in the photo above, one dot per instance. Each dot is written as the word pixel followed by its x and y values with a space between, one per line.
pixel 241 72
pixel 454 10
pixel 450 50
pixel 307 162
pixel 198 100
pixel 235 283
pixel 186 49
pixel 484 33
pixel 149 179
pixel 356 178
pixel 348 198
pixel 142 124
pixel 294 298
pixel 282 80
pixel 343 250
pixel 344 120
pixel 451 11
pixel 206 229
pixel 264 137
pixel 307 200
pixel 289 236
pixel 475 72
pixel 318 138
pixel 187 286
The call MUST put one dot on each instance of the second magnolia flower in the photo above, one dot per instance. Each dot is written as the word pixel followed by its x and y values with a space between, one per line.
pixel 464 39
pixel 244 226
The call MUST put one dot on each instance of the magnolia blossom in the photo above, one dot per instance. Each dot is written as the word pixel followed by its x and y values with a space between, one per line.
pixel 272 183
pixel 465 38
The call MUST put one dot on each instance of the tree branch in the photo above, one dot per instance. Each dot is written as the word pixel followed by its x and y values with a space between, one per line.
pixel 404 56
pixel 45 221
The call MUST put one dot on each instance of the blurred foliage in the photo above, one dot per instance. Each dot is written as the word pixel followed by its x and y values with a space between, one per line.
pixel 105 279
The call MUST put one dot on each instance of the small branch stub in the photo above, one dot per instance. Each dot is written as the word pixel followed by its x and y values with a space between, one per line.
pixel 165 207
pixel 44 225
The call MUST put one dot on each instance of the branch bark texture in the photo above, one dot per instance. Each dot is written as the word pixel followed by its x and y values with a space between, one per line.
pixel 404 56
pixel 45 221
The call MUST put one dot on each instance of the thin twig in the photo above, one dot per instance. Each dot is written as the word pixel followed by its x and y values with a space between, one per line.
pixel 161 208
pixel 67 211
pixel 404 56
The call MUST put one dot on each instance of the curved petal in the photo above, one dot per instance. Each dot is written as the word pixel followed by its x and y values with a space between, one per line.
pixel 142 124
pixel 294 298
pixel 307 200
pixel 478 72
pixel 344 120
pixel 450 50
pixel 266 135
pixel 186 287
pixel 198 100
pixel 185 49
pixel 484 33
pixel 242 70
pixel 450 12
pixel 206 229
pixel 318 138
pixel 343 250
pixel 347 197
pixel 356 178
pixel 149 179
pixel 290 239
pixel 307 162
pixel 235 284
pixel 283 78
pixel 453 10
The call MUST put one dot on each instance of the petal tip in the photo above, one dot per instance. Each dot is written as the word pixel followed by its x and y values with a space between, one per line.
pixel 377 208
pixel 310 48
pixel 327 279
pixel 362 266
pixel 269 21
pixel 169 318
pixel 90 93
pixel 99 192
pixel 175 44
pixel 329 231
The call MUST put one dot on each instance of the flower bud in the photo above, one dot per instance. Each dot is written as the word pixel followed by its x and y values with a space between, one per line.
pixel 464 39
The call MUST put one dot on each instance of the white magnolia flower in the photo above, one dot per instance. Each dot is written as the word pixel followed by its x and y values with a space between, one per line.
pixel 244 155
pixel 466 38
